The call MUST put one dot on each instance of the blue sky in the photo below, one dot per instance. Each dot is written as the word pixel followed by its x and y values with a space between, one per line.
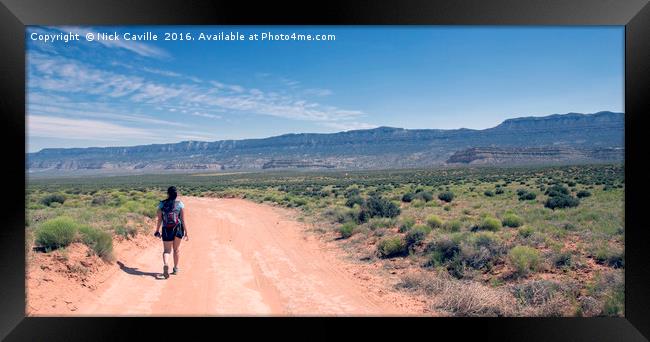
pixel 121 93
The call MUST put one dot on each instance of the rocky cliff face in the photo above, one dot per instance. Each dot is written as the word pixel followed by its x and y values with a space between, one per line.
pixel 556 137
pixel 534 155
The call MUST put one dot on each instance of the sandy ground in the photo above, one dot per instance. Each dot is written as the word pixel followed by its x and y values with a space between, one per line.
pixel 242 258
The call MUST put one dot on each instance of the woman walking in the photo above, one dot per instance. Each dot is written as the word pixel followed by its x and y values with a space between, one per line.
pixel 172 221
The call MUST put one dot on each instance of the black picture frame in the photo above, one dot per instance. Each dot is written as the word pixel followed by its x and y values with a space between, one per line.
pixel 633 14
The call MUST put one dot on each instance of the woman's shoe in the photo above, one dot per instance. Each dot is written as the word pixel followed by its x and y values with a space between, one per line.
pixel 166 271
pixel 175 272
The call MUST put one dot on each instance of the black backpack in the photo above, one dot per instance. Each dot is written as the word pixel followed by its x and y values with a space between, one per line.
pixel 169 215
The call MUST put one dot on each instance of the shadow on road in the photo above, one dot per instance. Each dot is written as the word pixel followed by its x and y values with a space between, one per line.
pixel 134 271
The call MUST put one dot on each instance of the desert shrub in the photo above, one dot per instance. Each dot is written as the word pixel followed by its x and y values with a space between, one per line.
pixel 56 233
pixel 446 196
pixel 350 202
pixel 419 282
pixel 442 251
pixel 347 229
pixel 488 193
pixel 556 190
pixel 489 223
pixel 425 196
pixel 614 303
pixel 535 292
pixel 453 225
pixel 609 287
pixel 524 259
pixel 379 206
pixel 407 197
pixel 125 231
pixel 391 246
pixel 609 257
pixel 434 221
pixel 588 306
pixel 498 191
pixel 53 198
pixel 99 200
pixel 352 192
pixel 583 194
pixel 527 196
pixel 561 201
pixel 562 259
pixel 468 298
pixel 512 220
pixel 417 234
pixel 99 241
pixel 341 215
pixel 381 222
pixel 482 250
pixel 407 223
pixel 542 298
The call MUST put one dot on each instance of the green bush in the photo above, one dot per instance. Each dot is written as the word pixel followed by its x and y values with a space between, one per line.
pixel 417 234
pixel 407 197
pixel 434 221
pixel 407 224
pixel 392 246
pixel 561 201
pixel 524 259
pixel 525 232
pixel 453 225
pixel 583 194
pixel 512 220
pixel 556 190
pixel 347 229
pixel 442 251
pixel 354 200
pixel 53 198
pixel 488 193
pixel 56 233
pixel 425 196
pixel 527 196
pixel 99 241
pixel 609 257
pixel 562 259
pixel 498 191
pixel 379 206
pixel 446 196
pixel 489 223
pixel 99 200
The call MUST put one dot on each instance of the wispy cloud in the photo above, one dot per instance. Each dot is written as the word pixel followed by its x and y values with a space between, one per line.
pixel 46 104
pixel 58 74
pixel 55 127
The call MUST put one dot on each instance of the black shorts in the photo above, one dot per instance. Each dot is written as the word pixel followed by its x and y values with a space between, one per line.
pixel 168 234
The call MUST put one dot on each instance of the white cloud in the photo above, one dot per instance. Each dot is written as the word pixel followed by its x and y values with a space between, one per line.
pixel 57 75
pixel 55 127
pixel 206 115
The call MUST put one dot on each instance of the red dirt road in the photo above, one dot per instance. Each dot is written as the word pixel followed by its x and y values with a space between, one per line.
pixel 242 259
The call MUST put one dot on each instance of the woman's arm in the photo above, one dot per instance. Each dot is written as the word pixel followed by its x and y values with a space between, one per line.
pixel 187 235
pixel 159 221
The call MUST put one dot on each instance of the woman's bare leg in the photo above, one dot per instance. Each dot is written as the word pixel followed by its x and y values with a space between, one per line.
pixel 177 250
pixel 167 249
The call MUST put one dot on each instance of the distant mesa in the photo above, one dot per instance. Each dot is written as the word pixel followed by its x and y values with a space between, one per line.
pixel 557 138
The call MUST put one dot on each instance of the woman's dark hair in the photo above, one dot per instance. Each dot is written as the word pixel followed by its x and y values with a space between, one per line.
pixel 171 196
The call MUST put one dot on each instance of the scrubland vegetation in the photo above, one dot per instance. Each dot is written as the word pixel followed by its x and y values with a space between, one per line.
pixel 543 241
